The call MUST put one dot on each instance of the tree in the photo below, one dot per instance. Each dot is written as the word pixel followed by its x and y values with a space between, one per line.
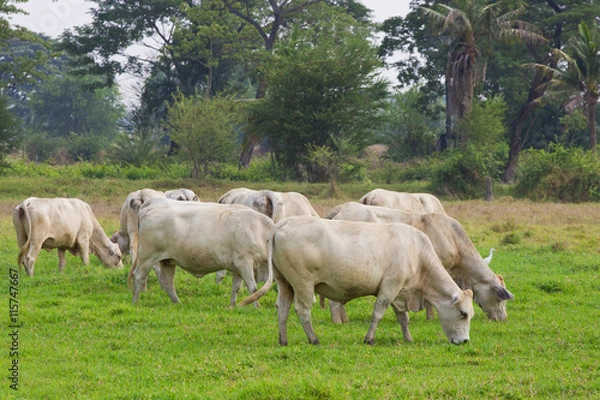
pixel 579 76
pixel 322 87
pixel 268 20
pixel 66 115
pixel 409 131
pixel 203 128
pixel 557 20
pixel 471 27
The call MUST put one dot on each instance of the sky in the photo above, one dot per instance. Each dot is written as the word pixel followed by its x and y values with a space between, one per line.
pixel 53 17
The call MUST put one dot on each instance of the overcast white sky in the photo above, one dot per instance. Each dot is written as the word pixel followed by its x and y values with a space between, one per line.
pixel 53 17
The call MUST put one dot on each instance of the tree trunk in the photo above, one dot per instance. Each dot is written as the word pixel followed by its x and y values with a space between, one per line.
pixel 592 101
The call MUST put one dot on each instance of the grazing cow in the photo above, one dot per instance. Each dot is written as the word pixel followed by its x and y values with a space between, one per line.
pixel 452 245
pixel 344 260
pixel 63 224
pixel 200 238
pixel 126 237
pixel 275 205
pixel 416 202
pixel 181 195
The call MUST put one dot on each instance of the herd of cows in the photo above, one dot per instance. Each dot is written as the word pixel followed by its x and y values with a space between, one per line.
pixel 400 247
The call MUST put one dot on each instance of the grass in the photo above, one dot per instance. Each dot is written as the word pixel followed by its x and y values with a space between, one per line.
pixel 82 338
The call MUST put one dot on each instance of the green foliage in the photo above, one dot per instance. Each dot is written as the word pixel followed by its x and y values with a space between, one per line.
pixel 140 147
pixel 204 129
pixel 322 87
pixel 8 127
pixel 409 131
pixel 261 169
pixel 465 170
pixel 559 174
pixel 99 171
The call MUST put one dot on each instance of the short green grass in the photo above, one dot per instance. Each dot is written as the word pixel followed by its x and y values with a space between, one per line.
pixel 82 338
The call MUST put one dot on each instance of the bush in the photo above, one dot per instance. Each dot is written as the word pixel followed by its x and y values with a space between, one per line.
pixel 559 174
pixel 260 170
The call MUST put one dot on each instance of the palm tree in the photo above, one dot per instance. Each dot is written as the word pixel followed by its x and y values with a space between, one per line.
pixel 472 26
pixel 578 77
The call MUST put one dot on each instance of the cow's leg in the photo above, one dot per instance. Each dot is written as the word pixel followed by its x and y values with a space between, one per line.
pixel 403 320
pixel 338 312
pixel 62 261
pixel 285 297
pixel 84 249
pixel 236 284
pixel 302 305
pixel 429 314
pixel 139 275
pixel 30 257
pixel 246 271
pixel 384 299
pixel 166 278
pixel 220 275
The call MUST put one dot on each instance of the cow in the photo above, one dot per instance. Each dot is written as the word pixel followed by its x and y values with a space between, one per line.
pixel 63 224
pixel 200 238
pixel 452 245
pixel 182 195
pixel 344 260
pixel 275 205
pixel 126 237
pixel 416 202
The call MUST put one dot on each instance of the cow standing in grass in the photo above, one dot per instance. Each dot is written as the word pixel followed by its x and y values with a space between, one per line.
pixel 344 260
pixel 63 224
pixel 200 238
pixel 452 245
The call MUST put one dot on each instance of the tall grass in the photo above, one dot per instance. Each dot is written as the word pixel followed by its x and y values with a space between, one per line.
pixel 82 338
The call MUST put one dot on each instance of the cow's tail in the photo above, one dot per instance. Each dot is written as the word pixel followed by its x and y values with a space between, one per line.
pixel 21 218
pixel 265 288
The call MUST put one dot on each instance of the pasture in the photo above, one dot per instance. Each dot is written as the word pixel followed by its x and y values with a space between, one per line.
pixel 79 336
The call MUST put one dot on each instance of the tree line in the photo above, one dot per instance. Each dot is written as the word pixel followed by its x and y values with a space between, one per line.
pixel 480 83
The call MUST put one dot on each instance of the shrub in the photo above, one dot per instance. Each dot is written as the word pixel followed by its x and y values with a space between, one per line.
pixel 559 174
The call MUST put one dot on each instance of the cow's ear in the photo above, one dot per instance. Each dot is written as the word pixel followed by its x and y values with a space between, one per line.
pixel 502 293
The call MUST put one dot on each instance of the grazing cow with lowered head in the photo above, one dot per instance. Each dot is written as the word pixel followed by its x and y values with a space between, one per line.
pixel 200 238
pixel 63 224
pixel 344 260
pixel 452 245
pixel 416 202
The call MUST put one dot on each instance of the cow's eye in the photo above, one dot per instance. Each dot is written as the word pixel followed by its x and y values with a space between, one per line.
pixel 464 314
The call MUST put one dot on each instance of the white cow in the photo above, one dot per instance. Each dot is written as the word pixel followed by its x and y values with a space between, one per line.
pixel 452 245
pixel 63 224
pixel 344 260
pixel 275 205
pixel 126 237
pixel 416 202
pixel 181 195
pixel 200 238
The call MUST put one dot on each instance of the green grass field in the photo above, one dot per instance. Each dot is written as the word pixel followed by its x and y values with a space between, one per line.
pixel 79 336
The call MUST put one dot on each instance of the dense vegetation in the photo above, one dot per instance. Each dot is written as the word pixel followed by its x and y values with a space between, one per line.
pixel 486 82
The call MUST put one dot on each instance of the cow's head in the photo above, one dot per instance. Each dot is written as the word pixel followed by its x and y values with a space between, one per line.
pixel 492 298
pixel 122 240
pixel 110 255
pixel 455 316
